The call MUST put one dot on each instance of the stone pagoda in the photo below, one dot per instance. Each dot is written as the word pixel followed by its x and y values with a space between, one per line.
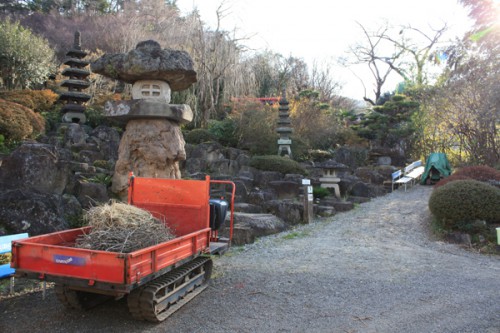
pixel 284 128
pixel 152 144
pixel 73 99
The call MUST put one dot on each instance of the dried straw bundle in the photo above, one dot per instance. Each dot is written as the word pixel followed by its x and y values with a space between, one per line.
pixel 119 227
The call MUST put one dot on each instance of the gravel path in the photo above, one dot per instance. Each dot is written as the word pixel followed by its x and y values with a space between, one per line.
pixel 373 269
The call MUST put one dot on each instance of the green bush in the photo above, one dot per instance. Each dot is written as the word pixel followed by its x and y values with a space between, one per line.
pixel 449 179
pixel 277 163
pixel 463 201
pixel 25 59
pixel 320 192
pixel 224 131
pixel 198 135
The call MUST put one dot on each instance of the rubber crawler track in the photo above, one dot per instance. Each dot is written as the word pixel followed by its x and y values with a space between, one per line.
pixel 142 302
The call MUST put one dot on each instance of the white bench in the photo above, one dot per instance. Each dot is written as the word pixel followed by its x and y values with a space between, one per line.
pixel 409 175
pixel 415 171
pixel 399 178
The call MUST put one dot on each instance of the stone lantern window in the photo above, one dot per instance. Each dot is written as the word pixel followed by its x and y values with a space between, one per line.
pixel 151 89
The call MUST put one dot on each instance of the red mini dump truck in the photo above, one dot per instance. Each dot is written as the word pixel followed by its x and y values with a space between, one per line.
pixel 157 280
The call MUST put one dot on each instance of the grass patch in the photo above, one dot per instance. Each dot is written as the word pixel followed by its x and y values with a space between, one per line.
pixel 296 234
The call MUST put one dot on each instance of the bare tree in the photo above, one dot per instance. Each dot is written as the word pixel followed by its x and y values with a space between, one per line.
pixel 321 80
pixel 421 47
pixel 377 54
pixel 406 51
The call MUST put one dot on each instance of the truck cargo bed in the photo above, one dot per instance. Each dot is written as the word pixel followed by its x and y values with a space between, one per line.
pixel 181 204
pixel 53 257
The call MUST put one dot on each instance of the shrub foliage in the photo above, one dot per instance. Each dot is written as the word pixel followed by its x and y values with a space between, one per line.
pixel 25 59
pixel 198 135
pixel 18 122
pixel 36 100
pixel 464 201
pixel 480 173
pixel 277 163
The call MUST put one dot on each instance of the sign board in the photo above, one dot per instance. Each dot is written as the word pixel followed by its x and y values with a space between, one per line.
pixel 309 189
pixel 306 181
pixel 310 197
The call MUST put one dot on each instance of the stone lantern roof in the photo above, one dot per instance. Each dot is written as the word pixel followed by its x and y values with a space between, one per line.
pixel 332 164
pixel 148 61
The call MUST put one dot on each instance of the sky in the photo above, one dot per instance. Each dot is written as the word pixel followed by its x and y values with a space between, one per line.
pixel 321 31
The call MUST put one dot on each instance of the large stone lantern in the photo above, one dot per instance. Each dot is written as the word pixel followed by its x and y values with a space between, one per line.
pixel 331 175
pixel 152 144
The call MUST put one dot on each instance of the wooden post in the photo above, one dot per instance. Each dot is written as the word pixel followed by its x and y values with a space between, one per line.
pixel 308 201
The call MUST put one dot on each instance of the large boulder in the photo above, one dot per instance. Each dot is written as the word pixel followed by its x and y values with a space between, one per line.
pixel 244 207
pixel 263 178
pixel 249 226
pixel 107 140
pixel 91 194
pixel 291 212
pixel 285 189
pixel 261 196
pixel 370 175
pixel 74 135
pixel 36 166
pixel 35 212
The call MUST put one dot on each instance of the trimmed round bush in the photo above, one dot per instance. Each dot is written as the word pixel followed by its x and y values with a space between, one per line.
pixel 465 201
pixel 449 179
pixel 277 163
pixel 198 135
pixel 480 173
pixel 17 122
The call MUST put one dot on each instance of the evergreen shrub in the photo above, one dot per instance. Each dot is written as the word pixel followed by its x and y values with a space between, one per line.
pixel 224 131
pixel 198 135
pixel 465 201
pixel 450 179
pixel 277 163
pixel 320 192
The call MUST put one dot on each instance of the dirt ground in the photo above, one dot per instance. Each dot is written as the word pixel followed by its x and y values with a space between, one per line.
pixel 373 269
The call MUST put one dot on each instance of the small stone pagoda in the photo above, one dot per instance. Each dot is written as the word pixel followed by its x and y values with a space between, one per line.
pixel 152 144
pixel 284 128
pixel 73 99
